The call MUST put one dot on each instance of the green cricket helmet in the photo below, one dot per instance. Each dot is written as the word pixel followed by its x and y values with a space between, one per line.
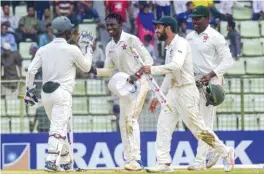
pixel 215 94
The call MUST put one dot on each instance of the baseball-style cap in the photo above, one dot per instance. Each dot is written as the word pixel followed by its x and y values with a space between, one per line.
pixel 166 20
pixel 200 11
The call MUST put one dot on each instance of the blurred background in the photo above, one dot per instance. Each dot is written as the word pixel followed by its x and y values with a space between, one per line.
pixel 25 27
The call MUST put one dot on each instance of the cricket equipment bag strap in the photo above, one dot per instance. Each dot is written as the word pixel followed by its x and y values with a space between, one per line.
pixel 50 87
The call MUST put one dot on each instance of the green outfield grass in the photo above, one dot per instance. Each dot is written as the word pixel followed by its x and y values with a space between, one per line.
pixel 178 171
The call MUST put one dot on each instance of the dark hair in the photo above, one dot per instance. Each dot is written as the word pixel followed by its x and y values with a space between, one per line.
pixel 232 24
pixel 148 38
pixel 4 24
pixel 115 16
pixel 30 6
pixel 188 3
pixel 173 28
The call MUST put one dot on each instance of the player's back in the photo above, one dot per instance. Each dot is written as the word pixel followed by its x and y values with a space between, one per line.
pixel 58 63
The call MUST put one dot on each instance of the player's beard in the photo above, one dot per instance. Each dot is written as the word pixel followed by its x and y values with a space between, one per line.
pixel 163 36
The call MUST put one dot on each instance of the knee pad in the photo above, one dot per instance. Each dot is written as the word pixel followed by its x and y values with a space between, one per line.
pixel 207 137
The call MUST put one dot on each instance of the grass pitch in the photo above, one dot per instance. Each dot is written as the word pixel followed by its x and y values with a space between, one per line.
pixel 120 171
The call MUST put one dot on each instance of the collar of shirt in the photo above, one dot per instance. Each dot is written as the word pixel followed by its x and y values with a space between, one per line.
pixel 172 42
pixel 59 40
pixel 206 31
pixel 122 39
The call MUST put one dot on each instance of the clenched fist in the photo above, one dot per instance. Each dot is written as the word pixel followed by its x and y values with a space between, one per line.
pixel 153 105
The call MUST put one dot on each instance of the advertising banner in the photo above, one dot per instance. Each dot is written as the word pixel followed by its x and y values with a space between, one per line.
pixel 104 150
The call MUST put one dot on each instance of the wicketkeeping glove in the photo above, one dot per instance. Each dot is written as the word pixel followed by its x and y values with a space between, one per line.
pixel 30 98
pixel 86 41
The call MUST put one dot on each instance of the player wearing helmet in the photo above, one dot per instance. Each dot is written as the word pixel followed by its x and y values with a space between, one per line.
pixel 59 61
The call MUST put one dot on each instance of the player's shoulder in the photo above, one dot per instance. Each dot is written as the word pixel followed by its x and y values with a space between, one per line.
pixel 128 36
pixel 190 35
pixel 181 40
pixel 73 47
pixel 214 33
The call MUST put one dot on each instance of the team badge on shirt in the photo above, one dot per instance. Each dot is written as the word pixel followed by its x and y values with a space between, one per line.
pixel 124 46
pixel 205 38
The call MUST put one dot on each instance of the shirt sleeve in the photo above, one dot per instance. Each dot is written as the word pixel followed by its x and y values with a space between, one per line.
pixel 142 51
pixel 224 54
pixel 178 57
pixel 108 66
pixel 84 62
pixel 165 86
pixel 33 69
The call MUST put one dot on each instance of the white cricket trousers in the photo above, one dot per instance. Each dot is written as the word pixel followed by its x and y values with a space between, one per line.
pixel 185 102
pixel 128 123
pixel 58 106
pixel 208 113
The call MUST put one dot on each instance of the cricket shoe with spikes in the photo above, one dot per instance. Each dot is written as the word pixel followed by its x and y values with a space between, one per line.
pixel 50 166
pixel 196 166
pixel 66 167
pixel 229 161
pixel 165 168
pixel 134 165
pixel 213 157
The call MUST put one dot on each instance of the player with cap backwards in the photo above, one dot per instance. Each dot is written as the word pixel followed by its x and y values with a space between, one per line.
pixel 119 56
pixel 211 59
pixel 58 61
pixel 183 95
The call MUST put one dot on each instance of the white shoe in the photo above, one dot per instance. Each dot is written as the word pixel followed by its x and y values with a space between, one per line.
pixel 196 166
pixel 213 157
pixel 50 166
pixel 229 161
pixel 160 168
pixel 133 166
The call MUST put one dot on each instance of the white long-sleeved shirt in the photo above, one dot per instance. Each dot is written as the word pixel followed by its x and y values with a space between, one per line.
pixel 58 61
pixel 226 6
pixel 210 52
pixel 179 65
pixel 119 56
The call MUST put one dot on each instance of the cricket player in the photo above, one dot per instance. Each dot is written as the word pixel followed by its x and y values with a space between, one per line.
pixel 183 95
pixel 211 59
pixel 58 61
pixel 119 56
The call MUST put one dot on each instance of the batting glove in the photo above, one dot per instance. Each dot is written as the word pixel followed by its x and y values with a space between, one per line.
pixel 30 98
pixel 86 41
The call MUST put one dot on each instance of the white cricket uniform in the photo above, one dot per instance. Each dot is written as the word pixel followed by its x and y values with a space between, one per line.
pixel 210 53
pixel 119 56
pixel 58 61
pixel 183 95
